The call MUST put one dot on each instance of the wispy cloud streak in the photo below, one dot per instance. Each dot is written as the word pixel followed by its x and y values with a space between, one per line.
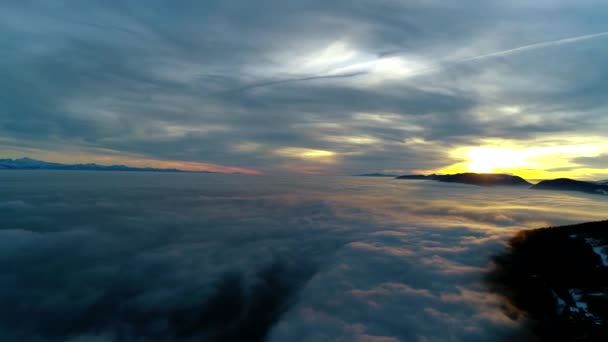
pixel 297 79
pixel 433 67
pixel 443 64
pixel 535 46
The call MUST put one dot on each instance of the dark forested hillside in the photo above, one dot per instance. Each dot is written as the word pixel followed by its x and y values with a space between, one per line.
pixel 558 278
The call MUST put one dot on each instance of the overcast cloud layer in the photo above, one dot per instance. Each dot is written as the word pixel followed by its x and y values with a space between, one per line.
pixel 306 86
pixel 191 257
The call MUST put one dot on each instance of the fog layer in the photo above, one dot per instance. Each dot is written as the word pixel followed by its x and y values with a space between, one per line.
pixel 92 256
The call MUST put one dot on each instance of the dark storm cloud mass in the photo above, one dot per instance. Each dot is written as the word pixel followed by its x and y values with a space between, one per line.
pixel 190 257
pixel 197 81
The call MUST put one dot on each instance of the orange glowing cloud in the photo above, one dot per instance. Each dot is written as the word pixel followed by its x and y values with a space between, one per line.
pixel 190 166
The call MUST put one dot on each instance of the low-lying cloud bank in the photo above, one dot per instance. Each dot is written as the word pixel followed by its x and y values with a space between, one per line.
pixel 138 257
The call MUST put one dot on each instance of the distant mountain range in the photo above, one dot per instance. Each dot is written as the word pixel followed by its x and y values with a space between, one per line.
pixel 33 164
pixel 492 179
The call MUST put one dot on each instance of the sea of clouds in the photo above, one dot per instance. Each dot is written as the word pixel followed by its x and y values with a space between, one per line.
pixel 88 256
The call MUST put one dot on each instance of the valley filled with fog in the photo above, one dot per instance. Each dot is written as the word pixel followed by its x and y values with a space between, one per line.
pixel 89 256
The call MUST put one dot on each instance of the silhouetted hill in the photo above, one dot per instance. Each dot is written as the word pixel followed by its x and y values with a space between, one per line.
pixel 558 278
pixel 483 179
pixel 33 164
pixel 566 184
pixel 429 177
pixel 376 175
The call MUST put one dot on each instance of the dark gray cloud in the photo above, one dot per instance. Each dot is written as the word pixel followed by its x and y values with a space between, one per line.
pixel 195 81
pixel 599 162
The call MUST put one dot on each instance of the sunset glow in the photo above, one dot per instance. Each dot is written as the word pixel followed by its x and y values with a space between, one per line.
pixel 529 162
pixel 321 156
pixel 487 159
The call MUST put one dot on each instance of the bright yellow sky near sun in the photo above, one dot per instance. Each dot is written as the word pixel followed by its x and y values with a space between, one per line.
pixel 533 160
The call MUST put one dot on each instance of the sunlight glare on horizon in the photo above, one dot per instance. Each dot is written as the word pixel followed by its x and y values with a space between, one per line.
pixel 488 159
pixel 528 162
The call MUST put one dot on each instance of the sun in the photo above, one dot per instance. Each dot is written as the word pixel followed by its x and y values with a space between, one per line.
pixel 490 159
pixel 480 167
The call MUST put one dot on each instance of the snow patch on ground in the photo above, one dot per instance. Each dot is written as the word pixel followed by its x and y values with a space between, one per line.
pixel 561 304
pixel 602 251
pixel 581 306
pixel 576 296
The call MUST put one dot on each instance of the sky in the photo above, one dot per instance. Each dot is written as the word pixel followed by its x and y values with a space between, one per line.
pixel 309 87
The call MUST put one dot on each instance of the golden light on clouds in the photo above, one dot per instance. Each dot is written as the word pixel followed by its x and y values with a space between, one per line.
pixel 547 160
pixel 320 156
